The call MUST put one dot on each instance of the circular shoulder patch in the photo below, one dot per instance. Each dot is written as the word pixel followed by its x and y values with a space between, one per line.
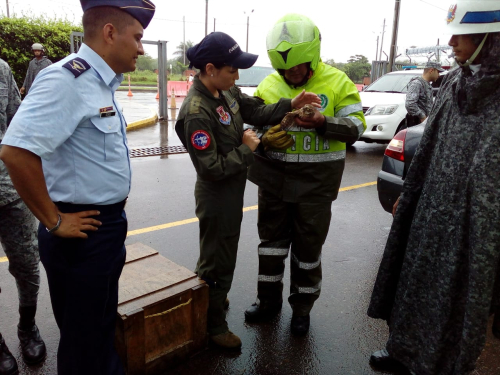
pixel 200 139
pixel 324 102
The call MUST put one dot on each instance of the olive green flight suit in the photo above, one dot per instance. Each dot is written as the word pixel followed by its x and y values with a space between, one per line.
pixel 212 130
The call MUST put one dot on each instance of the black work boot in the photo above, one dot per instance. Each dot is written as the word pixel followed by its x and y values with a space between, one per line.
pixel 8 364
pixel 32 345
pixel 382 361
pixel 300 325
pixel 262 312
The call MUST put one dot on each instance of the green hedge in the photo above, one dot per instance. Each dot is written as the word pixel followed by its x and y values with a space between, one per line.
pixel 18 34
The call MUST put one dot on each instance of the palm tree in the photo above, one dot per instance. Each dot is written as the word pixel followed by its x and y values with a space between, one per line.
pixel 181 50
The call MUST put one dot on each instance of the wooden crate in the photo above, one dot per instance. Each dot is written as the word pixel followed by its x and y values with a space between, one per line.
pixel 162 312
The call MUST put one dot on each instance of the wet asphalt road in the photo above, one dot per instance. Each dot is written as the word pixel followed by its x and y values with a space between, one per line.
pixel 341 336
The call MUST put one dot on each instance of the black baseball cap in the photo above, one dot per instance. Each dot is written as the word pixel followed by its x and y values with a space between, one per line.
pixel 219 49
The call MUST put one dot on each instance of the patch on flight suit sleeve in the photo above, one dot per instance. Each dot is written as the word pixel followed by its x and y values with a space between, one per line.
pixel 195 105
pixel 77 66
pixel 200 139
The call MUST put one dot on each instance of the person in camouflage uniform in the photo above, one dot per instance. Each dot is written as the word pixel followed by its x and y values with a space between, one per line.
pixel 419 97
pixel 18 237
pixel 436 283
pixel 36 65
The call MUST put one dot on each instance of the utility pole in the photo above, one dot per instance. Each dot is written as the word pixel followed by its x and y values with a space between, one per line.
pixel 394 41
pixel 248 25
pixel 184 37
pixel 206 18
pixel 376 51
pixel 438 57
pixel 214 24
pixel 382 42
pixel 8 16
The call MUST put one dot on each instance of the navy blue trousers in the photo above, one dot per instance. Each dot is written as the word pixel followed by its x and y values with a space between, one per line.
pixel 83 282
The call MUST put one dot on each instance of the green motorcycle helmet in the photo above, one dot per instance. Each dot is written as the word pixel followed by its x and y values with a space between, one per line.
pixel 293 40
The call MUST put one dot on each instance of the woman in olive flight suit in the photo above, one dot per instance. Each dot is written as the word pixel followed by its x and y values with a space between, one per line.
pixel 210 125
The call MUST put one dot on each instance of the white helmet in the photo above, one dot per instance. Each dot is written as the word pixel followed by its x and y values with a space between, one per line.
pixel 473 17
pixel 37 47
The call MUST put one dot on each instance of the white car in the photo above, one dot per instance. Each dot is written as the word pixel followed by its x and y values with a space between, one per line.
pixel 384 105
pixel 251 77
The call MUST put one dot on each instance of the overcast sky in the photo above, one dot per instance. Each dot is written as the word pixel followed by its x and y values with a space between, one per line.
pixel 348 27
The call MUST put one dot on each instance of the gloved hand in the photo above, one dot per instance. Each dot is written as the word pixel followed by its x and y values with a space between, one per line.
pixel 277 139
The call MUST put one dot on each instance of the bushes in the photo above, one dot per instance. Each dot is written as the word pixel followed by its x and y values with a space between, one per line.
pixel 18 34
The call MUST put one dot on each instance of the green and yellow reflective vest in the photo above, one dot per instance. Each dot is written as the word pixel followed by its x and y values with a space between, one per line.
pixel 311 170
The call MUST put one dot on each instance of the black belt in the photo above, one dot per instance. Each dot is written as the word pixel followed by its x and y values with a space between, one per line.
pixel 104 208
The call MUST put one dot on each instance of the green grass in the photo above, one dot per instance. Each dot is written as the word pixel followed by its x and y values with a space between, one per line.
pixel 147 77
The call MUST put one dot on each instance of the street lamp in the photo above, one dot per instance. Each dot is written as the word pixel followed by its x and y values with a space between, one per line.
pixel 248 23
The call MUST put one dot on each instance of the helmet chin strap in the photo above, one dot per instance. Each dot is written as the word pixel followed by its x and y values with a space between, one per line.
pixel 473 57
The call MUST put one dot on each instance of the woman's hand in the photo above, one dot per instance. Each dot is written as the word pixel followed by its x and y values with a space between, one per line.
pixel 306 98
pixel 250 139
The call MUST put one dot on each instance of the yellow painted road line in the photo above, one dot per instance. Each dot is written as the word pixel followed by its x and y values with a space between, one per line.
pixel 245 209
pixel 194 220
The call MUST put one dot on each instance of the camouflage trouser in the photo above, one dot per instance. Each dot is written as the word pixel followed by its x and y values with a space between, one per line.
pixel 18 237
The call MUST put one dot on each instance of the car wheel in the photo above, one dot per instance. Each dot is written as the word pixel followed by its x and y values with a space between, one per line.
pixel 401 126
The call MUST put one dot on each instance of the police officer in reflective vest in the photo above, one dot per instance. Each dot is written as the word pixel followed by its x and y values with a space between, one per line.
pixel 210 125
pixel 298 183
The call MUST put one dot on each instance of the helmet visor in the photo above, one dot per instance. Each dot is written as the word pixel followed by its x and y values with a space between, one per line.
pixel 292 32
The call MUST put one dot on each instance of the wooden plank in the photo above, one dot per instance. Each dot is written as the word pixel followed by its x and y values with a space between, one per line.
pixel 138 251
pixel 149 275
pixel 135 349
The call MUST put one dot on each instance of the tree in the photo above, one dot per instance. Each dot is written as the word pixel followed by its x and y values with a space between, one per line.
pixel 357 67
pixel 18 34
pixel 339 66
pixel 146 62
pixel 179 52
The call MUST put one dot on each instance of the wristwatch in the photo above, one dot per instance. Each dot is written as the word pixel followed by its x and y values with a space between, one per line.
pixel 56 227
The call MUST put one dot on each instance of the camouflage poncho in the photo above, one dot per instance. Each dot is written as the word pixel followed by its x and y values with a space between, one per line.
pixel 435 283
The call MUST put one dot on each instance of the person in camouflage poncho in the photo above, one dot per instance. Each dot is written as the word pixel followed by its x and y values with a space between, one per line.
pixel 435 284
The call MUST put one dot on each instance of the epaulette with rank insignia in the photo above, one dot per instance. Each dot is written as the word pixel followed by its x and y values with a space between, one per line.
pixel 77 66
pixel 195 105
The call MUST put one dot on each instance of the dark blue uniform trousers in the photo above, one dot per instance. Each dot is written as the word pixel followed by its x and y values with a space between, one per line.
pixel 83 282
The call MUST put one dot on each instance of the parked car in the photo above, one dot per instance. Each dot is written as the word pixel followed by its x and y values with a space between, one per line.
pixel 397 159
pixel 251 77
pixel 384 105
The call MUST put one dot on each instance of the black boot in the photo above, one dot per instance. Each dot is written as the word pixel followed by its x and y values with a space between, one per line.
pixel 300 325
pixel 32 345
pixel 262 312
pixel 8 364
pixel 382 361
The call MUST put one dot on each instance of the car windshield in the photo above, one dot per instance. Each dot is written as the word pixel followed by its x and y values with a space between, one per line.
pixel 253 76
pixel 391 83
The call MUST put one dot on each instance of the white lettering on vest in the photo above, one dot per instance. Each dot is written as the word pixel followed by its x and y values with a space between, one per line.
pixel 326 145
pixel 293 147
pixel 307 143
pixel 317 143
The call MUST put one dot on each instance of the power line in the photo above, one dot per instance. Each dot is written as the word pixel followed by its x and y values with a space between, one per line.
pixel 432 5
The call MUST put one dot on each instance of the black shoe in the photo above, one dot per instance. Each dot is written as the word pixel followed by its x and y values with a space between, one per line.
pixel 8 364
pixel 262 312
pixel 300 325
pixel 380 360
pixel 32 345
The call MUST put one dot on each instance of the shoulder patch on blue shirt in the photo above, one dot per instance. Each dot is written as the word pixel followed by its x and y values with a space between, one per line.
pixel 77 66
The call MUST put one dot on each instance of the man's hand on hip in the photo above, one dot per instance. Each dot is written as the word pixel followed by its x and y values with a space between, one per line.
pixel 73 225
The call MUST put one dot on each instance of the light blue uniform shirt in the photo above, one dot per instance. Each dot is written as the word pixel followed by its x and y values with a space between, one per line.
pixel 84 156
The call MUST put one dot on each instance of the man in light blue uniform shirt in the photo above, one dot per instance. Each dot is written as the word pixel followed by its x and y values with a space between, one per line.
pixel 67 155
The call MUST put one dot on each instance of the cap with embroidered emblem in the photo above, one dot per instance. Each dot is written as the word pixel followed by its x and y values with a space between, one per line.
pixel 220 48
pixel 142 10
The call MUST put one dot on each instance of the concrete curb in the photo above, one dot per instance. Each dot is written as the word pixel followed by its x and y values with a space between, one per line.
pixel 143 123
